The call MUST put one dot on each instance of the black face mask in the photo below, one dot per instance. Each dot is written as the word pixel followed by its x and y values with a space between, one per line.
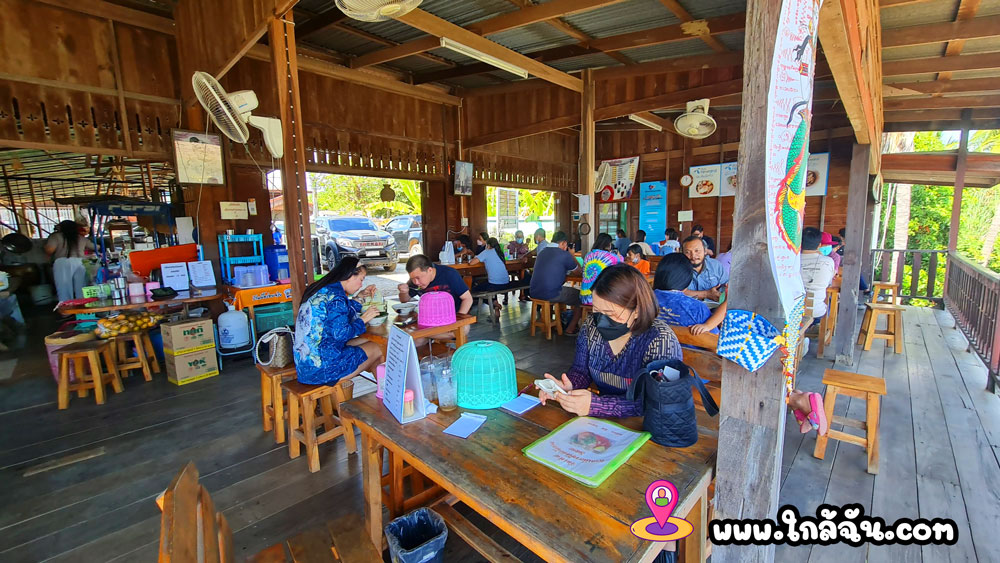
pixel 609 328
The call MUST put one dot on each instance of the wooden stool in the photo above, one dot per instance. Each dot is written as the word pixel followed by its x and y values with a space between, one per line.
pixel 891 290
pixel 828 325
pixel 272 399
pixel 91 352
pixel 894 325
pixel 541 317
pixel 303 422
pixel 585 311
pixel 861 387
pixel 144 359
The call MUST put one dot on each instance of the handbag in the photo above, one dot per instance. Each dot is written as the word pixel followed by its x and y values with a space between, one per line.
pixel 668 406
pixel 747 339
pixel 279 348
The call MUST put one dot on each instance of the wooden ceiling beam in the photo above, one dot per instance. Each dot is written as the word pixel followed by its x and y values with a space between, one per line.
pixel 985 61
pixel 941 87
pixel 116 13
pixel 976 114
pixel 976 163
pixel 646 38
pixel 966 11
pixel 942 102
pixel 679 64
pixel 433 25
pixel 978 28
pixel 682 14
pixel 669 100
pixel 525 16
pixel 565 27
pixel 883 4
pixel 382 41
pixel 319 21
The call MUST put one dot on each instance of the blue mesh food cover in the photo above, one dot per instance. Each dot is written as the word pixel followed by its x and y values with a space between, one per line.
pixel 485 375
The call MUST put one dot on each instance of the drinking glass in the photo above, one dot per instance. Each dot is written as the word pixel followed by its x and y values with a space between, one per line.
pixel 446 391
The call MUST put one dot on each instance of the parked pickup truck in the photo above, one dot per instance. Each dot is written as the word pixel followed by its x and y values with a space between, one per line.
pixel 408 231
pixel 360 237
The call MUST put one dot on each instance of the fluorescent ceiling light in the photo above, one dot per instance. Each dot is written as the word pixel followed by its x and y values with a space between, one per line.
pixel 481 56
pixel 645 122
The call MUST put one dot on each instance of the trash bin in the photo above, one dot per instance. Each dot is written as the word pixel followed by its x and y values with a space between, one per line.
pixel 417 537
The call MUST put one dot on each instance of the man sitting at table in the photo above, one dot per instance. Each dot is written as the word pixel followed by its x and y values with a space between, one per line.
pixel 463 249
pixel 540 242
pixel 817 271
pixel 425 276
pixel 517 247
pixel 709 275
pixel 549 277
pixel 699 231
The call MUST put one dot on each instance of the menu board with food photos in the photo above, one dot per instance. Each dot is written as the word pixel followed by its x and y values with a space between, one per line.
pixel 728 179
pixel 706 181
pixel 817 173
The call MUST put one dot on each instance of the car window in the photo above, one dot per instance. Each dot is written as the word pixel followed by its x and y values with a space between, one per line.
pixel 416 222
pixel 394 224
pixel 352 224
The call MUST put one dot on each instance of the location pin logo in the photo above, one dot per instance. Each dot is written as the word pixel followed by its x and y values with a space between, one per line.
pixel 661 497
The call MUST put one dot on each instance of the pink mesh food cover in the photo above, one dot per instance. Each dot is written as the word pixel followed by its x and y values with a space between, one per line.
pixel 436 308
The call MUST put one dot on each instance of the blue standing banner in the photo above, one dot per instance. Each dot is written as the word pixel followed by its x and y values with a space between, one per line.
pixel 653 209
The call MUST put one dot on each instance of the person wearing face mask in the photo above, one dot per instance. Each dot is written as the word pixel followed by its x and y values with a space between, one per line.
pixel 828 247
pixel 517 248
pixel 817 270
pixel 636 258
pixel 328 328
pixel 463 249
pixel 481 242
pixel 621 337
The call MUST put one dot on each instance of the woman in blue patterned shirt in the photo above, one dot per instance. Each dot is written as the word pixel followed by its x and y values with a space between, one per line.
pixel 329 325
pixel 673 275
pixel 620 338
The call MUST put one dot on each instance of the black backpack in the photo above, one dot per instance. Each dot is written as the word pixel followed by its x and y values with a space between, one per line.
pixel 668 405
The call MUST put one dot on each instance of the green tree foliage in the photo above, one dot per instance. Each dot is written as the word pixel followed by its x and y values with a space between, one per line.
pixel 351 195
pixel 532 205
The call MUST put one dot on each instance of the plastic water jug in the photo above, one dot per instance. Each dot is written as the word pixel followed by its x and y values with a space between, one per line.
pixel 234 329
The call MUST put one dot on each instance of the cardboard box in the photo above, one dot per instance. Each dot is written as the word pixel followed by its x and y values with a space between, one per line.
pixel 189 335
pixel 193 366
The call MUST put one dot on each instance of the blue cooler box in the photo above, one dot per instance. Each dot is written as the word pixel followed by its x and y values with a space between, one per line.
pixel 276 258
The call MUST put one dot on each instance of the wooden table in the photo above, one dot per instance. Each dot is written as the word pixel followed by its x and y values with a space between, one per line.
pixel 578 279
pixel 380 334
pixel 470 271
pixel 551 514
pixel 184 298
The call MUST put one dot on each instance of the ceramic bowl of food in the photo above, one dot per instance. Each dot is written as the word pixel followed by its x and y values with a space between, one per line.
pixel 379 320
pixel 404 309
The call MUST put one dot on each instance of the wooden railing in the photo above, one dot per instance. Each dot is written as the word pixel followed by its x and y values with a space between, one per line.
pixel 972 295
pixel 889 266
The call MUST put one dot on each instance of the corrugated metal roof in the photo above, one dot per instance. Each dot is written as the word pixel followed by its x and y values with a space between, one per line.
pixel 918 13
pixel 626 17
pixel 416 65
pixel 910 78
pixel 985 45
pixel 342 41
pixel 460 13
pixel 595 60
pixel 913 52
pixel 532 38
pixel 700 9
pixel 733 41
pixel 667 50
pixel 452 56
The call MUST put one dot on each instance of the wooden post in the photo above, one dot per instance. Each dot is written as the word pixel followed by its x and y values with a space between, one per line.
pixel 752 420
pixel 956 206
pixel 857 204
pixel 10 196
pixel 293 164
pixel 588 155
pixel 867 268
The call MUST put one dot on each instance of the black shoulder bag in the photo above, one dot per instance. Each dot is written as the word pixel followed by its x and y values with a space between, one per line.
pixel 668 405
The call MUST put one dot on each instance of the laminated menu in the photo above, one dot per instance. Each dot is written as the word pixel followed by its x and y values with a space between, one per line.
pixel 587 449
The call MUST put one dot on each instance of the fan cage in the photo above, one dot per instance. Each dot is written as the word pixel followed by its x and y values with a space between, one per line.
pixel 216 102
pixel 376 10
pixel 484 374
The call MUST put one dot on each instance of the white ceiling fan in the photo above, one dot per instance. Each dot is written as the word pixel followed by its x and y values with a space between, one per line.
pixel 695 123
pixel 231 113
pixel 376 10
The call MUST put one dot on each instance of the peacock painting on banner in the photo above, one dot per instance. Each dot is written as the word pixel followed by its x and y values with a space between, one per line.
pixel 789 116
pixel 616 178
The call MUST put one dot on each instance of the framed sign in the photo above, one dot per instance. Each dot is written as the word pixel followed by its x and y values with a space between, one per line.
pixel 463 178
pixel 728 179
pixel 653 208
pixel 706 181
pixel 817 173
pixel 198 157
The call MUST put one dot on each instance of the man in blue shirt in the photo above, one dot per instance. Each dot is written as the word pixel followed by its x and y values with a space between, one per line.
pixel 425 276
pixel 709 275
pixel 540 241
pixel 549 277
pixel 623 242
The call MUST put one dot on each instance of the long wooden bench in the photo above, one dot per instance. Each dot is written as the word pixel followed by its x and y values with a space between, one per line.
pixel 699 354
pixel 192 531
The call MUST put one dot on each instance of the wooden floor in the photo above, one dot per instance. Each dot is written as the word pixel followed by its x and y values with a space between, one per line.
pixel 80 484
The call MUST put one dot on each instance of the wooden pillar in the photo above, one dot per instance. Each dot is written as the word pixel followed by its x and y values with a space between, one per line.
pixel 867 260
pixel 956 206
pixel 752 419
pixel 281 36
pixel 857 205
pixel 588 155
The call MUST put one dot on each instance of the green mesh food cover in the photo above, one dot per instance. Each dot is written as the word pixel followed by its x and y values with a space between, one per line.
pixel 485 375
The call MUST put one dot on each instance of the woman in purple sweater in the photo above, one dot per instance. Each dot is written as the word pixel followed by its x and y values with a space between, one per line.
pixel 617 340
